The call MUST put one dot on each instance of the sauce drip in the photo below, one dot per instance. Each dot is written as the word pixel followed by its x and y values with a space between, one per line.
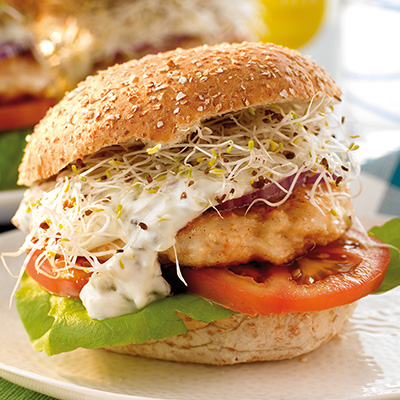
pixel 318 264
pixel 324 261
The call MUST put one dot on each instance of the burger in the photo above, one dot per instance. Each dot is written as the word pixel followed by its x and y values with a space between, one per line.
pixel 25 82
pixel 193 206
pixel 79 38
pixel 25 94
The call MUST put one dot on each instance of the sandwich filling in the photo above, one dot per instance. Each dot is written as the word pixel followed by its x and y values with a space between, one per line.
pixel 119 209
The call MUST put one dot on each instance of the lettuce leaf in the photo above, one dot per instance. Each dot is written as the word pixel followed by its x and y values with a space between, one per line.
pixel 389 233
pixel 59 324
pixel 12 145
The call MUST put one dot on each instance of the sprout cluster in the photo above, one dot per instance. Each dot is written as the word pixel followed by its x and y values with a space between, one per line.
pixel 80 213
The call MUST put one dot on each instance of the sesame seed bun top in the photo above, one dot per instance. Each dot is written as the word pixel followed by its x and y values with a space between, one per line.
pixel 158 99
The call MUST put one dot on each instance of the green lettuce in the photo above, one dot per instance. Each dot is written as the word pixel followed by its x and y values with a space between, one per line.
pixel 389 233
pixel 58 324
pixel 12 145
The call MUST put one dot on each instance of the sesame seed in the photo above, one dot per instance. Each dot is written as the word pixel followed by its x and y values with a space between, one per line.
pixel 180 96
pixel 201 108
pixel 182 79
pixel 161 87
pixel 284 93
pixel 160 124
pixel 176 111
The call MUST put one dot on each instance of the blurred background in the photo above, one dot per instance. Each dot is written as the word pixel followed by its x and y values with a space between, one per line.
pixel 47 46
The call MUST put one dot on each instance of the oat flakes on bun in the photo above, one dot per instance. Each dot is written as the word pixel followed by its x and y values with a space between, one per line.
pixel 194 206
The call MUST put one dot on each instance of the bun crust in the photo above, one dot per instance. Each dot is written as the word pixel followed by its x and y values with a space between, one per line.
pixel 241 338
pixel 160 97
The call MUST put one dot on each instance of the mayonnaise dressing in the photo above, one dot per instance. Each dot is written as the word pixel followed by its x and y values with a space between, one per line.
pixel 130 280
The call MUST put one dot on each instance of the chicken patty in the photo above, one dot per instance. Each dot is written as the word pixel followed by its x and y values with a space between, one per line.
pixel 263 233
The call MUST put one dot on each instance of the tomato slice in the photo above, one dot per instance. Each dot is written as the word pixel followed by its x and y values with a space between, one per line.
pixel 24 114
pixel 328 276
pixel 63 283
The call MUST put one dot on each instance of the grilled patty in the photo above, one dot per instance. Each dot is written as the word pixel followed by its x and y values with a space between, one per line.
pixel 263 233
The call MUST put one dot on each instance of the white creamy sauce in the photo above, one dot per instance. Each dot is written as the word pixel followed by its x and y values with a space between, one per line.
pixel 130 280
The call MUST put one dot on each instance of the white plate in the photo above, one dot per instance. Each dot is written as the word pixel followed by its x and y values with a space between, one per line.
pixel 9 202
pixel 363 362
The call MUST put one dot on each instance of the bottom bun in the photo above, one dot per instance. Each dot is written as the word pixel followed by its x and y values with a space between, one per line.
pixel 241 338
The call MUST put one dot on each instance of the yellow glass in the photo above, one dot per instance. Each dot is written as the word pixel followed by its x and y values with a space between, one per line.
pixel 292 23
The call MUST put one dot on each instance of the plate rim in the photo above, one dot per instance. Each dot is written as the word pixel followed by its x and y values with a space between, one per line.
pixel 33 378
